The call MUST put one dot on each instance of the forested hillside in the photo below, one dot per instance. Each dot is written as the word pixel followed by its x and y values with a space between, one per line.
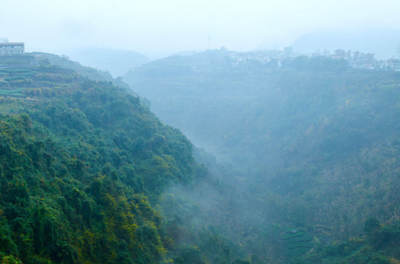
pixel 89 175
pixel 306 169
pixel 314 143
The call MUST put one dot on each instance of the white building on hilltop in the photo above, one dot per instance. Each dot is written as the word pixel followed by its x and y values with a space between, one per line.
pixel 11 48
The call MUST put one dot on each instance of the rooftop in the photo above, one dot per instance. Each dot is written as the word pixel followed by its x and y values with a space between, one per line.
pixel 11 43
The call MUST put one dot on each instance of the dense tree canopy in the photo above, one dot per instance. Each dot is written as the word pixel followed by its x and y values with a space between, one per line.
pixel 83 166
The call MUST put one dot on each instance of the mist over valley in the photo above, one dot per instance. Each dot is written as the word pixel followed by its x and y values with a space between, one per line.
pixel 209 132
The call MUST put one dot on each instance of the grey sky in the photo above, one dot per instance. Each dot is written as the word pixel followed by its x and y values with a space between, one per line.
pixel 155 27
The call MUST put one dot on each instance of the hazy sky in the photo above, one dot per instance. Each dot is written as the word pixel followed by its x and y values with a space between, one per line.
pixel 156 27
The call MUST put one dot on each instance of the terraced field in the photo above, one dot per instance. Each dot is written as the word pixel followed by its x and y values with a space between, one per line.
pixel 21 81
pixel 298 242
pixel 14 92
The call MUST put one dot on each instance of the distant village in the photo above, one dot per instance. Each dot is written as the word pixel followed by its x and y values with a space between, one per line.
pixel 357 60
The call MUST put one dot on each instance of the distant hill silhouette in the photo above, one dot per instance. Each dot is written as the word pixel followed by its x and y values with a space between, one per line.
pixel 117 62
pixel 384 43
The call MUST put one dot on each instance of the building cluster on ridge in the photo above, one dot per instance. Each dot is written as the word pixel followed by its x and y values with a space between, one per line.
pixel 356 60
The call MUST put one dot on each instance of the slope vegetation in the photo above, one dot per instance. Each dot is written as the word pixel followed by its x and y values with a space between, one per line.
pixel 85 170
pixel 314 142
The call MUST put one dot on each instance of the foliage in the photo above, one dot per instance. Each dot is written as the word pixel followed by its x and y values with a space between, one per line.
pixel 89 175
pixel 315 143
pixel 82 167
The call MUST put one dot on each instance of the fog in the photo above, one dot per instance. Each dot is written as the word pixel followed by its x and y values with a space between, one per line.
pixel 235 132
pixel 297 145
pixel 159 28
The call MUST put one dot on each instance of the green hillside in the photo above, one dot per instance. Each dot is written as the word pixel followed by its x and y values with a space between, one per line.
pixel 315 142
pixel 86 175
pixel 306 168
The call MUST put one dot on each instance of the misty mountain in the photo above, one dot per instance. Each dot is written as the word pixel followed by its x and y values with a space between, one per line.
pixel 89 175
pixel 314 141
pixel 384 43
pixel 116 62
pixel 304 164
